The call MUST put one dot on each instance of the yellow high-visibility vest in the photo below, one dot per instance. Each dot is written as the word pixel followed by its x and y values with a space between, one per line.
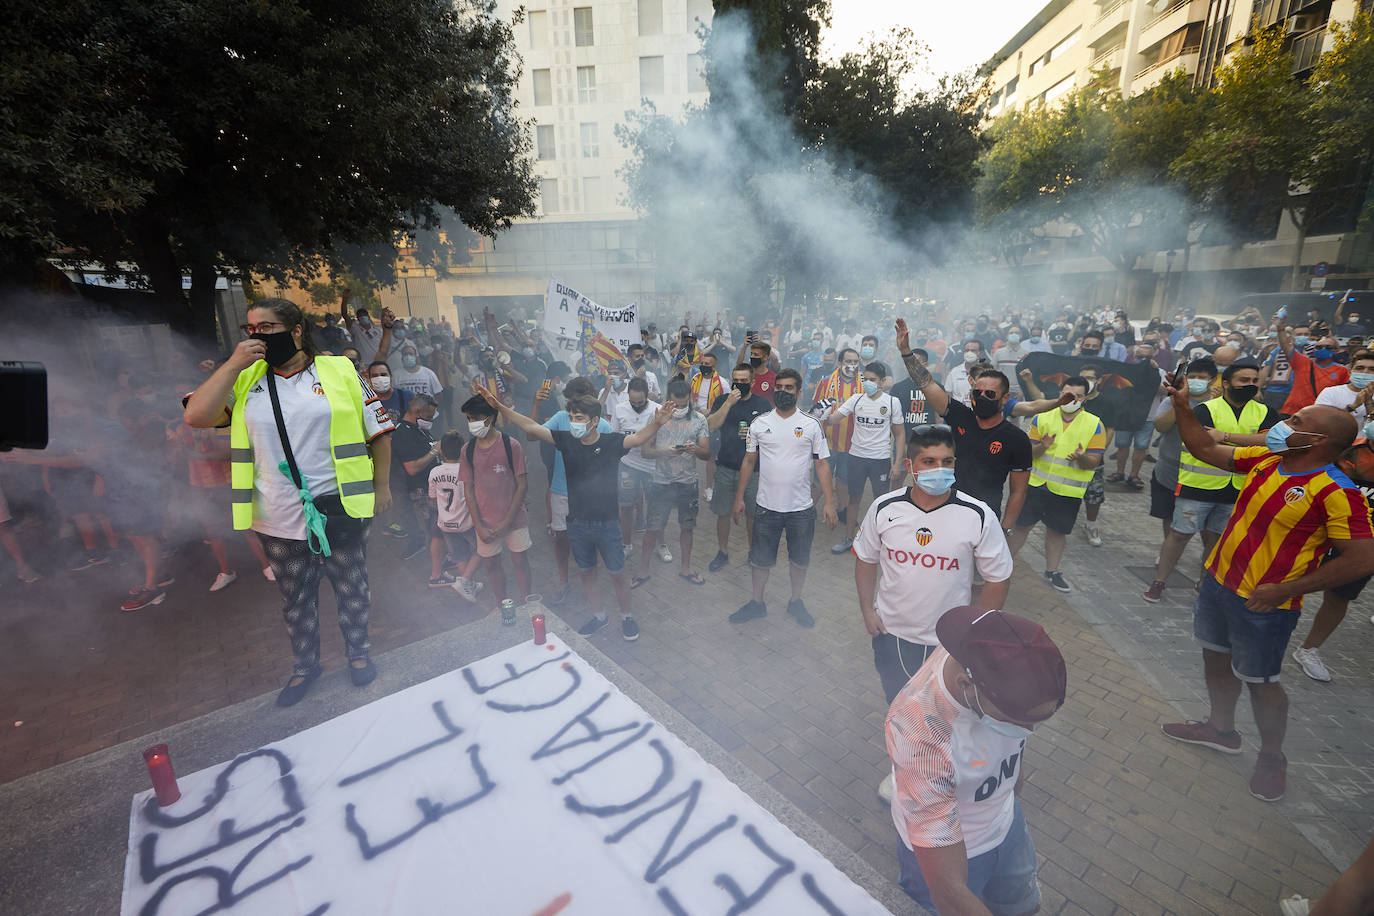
pixel 1194 472
pixel 347 439
pixel 1053 468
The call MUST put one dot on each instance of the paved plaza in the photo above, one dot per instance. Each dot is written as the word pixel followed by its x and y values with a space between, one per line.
pixel 1125 821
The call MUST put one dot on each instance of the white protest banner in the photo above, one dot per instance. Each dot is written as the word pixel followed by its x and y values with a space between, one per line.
pixel 524 784
pixel 564 308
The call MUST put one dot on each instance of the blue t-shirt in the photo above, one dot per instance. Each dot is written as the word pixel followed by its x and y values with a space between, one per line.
pixel 558 482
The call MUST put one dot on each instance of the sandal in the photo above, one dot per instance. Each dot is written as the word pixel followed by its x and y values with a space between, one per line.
pixel 1115 478
pixel 637 581
pixel 1135 483
pixel 694 578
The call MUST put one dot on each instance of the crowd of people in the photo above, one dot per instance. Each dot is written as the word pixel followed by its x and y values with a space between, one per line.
pixel 929 447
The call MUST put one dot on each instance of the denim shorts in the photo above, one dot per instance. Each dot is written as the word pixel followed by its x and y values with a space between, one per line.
pixel 634 485
pixel 1194 515
pixel 723 492
pixel 1003 878
pixel 588 538
pixel 768 528
pixel 1140 438
pixel 1255 641
pixel 665 497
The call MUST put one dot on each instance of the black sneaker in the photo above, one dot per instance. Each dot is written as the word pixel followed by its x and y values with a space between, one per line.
pixel 720 562
pixel 595 625
pixel 1057 580
pixel 292 694
pixel 89 562
pixel 629 629
pixel 750 611
pixel 364 675
pixel 797 608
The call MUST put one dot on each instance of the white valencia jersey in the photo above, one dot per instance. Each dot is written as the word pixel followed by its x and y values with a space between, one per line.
pixel 927 559
pixel 786 447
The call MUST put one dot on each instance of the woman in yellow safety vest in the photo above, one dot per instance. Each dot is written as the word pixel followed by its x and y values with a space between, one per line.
pixel 337 436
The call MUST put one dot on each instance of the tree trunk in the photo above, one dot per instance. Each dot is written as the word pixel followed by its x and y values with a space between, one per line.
pixel 202 318
pixel 159 265
pixel 1295 271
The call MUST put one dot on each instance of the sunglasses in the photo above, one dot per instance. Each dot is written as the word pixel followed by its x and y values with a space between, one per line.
pixel 922 429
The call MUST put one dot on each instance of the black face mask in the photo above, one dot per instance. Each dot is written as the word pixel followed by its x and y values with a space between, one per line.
pixel 756 361
pixel 784 400
pixel 638 408
pixel 743 388
pixel 983 408
pixel 636 363
pixel 1087 352
pixel 708 371
pixel 1243 393
pixel 280 348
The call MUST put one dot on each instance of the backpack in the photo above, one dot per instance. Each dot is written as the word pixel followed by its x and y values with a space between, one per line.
pixel 472 445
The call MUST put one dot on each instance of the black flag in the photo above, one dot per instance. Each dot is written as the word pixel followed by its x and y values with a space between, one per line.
pixel 1124 394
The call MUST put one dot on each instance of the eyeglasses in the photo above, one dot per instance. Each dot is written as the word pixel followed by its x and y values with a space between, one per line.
pixel 263 327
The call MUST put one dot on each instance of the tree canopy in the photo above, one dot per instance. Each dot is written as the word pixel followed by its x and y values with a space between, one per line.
pixel 279 137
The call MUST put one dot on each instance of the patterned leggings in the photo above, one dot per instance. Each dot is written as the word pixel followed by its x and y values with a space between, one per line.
pixel 298 576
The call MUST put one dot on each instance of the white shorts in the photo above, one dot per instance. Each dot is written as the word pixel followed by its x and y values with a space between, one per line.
pixel 517 541
pixel 558 512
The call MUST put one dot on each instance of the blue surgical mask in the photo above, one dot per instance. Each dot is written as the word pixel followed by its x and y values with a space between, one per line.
pixel 1322 353
pixel 1360 379
pixel 1368 432
pixel 1197 386
pixel 578 429
pixel 968 335
pixel 398 333
pixel 865 352
pixel 410 362
pixel 1035 339
pixel 870 387
pixel 527 352
pixel 1276 440
pixel 1013 339
pixel 935 481
pixel 1300 340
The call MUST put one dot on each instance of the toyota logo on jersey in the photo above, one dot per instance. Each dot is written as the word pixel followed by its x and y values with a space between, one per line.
pixel 923 536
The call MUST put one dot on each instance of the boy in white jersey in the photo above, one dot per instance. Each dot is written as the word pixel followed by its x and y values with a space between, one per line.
pixel 956 735
pixel 455 523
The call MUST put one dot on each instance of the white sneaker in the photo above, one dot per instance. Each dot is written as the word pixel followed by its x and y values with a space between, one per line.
pixel 664 553
pixel 224 580
pixel 465 588
pixel 628 548
pixel 1311 662
pixel 886 787
pixel 1295 906
pixel 1094 538
pixel 707 493
pixel 268 574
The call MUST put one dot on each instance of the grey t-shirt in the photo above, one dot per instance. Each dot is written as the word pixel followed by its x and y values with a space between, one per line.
pixel 687 431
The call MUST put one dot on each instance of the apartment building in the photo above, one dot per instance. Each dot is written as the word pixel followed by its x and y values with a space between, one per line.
pixel 1135 43
pixel 586 63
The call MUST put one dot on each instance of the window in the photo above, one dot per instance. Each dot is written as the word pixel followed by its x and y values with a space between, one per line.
pixel 1010 93
pixel 651 76
pixel 539 30
pixel 543 141
pixel 1036 65
pixel 1058 89
pixel 591 142
pixel 591 194
pixel 651 17
pixel 696 73
pixel 698 14
pixel 586 85
pixel 582 27
pixel 1069 41
pixel 548 195
pixel 543 87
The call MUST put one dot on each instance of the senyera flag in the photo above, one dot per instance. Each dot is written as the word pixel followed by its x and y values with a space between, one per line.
pixel 1125 391
pixel 597 349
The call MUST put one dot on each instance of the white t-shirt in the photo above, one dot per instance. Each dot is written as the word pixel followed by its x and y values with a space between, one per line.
pixel 1341 396
pixel 954 778
pixel 957 384
pixel 420 380
pixel 627 421
pixel 874 419
pixel 365 340
pixel 786 447
pixel 847 341
pixel 276 501
pixel 448 493
pixel 927 558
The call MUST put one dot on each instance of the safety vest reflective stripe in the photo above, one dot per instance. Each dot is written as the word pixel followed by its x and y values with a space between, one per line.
pixel 240 454
pixel 1198 474
pixel 350 450
pixel 240 495
pixel 1206 470
pixel 355 488
pixel 1064 481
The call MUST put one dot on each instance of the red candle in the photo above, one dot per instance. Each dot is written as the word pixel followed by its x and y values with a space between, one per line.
pixel 538 620
pixel 160 770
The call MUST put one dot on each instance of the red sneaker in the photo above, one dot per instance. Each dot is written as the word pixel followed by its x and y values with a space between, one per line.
pixel 1154 592
pixel 1204 734
pixel 1270 778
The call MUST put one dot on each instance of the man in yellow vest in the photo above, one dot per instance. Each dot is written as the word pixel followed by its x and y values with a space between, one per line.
pixel 1205 495
pixel 1067 444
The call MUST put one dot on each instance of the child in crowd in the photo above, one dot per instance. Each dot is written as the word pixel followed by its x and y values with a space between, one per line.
pixel 454 521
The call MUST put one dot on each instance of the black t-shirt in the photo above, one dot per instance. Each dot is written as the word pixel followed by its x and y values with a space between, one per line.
pixel 1059 339
pixel 915 409
pixel 1204 416
pixel 985 456
pixel 593 475
pixel 408 443
pixel 731 454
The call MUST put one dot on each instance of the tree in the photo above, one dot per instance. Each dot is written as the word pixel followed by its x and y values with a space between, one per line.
pixel 786 44
pixel 281 137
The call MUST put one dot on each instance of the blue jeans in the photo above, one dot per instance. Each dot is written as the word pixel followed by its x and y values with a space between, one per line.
pixel 589 538
pixel 1256 642
pixel 1003 878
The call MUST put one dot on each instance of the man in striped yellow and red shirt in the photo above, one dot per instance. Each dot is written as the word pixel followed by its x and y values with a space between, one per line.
pixel 1294 505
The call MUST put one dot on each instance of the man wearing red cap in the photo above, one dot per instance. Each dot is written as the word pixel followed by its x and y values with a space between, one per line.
pixel 956 735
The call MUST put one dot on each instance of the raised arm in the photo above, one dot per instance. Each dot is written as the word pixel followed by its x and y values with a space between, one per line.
pixel 1196 437
pixel 1285 336
pixel 716 419
pixel 920 376
pixel 1029 387
pixel 205 407
pixel 531 427
pixel 1030 408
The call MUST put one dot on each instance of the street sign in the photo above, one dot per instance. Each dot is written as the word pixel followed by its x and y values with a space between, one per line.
pixel 1321 269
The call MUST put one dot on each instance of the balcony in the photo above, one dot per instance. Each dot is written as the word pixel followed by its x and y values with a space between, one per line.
pixel 1177 15
pixel 1108 57
pixel 1186 60
pixel 1114 15
pixel 1307 48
